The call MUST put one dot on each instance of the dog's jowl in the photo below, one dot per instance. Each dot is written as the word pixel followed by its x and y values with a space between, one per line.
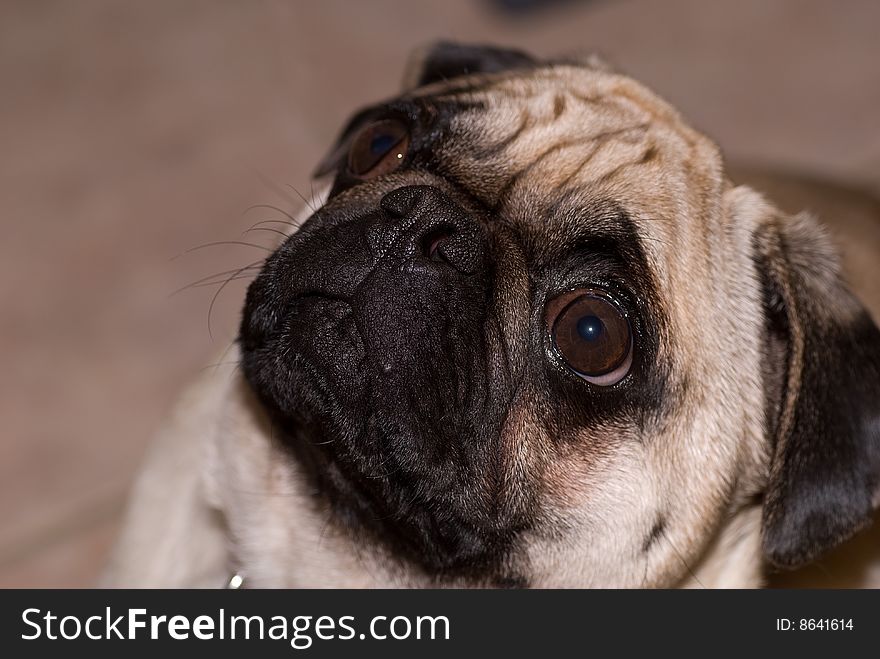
pixel 534 336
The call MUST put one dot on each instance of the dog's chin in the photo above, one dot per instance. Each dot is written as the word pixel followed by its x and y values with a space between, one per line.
pixel 395 418
pixel 381 438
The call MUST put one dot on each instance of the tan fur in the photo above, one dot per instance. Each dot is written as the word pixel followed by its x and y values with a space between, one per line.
pixel 219 487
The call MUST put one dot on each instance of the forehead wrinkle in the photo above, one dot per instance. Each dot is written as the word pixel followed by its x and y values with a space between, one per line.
pixel 601 89
pixel 542 157
pixel 510 137
pixel 600 95
pixel 576 164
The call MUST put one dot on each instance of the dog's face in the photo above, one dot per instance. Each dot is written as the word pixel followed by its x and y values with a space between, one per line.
pixel 535 337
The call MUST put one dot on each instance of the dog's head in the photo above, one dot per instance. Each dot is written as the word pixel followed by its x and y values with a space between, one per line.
pixel 536 336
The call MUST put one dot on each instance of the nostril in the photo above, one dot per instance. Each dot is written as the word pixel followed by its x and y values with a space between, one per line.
pixel 433 241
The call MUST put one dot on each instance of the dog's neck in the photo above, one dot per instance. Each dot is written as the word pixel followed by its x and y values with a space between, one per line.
pixel 280 536
pixel 733 559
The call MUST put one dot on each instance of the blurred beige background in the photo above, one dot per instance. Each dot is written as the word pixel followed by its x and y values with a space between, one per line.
pixel 132 131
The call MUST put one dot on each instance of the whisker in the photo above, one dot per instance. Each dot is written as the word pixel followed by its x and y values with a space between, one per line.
pixel 305 201
pixel 223 357
pixel 221 242
pixel 384 462
pixel 219 364
pixel 287 224
pixel 223 281
pixel 315 198
pixel 401 510
pixel 271 207
pixel 234 271
pixel 280 233
pixel 272 185
pixel 217 294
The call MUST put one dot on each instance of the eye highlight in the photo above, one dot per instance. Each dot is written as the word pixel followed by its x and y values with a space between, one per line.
pixel 592 335
pixel 378 149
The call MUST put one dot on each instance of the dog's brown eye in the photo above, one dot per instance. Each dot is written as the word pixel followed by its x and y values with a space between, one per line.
pixel 592 335
pixel 378 149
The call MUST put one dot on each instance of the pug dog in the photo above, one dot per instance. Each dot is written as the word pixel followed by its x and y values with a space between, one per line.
pixel 533 337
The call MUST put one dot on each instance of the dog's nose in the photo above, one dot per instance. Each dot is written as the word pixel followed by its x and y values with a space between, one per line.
pixel 423 222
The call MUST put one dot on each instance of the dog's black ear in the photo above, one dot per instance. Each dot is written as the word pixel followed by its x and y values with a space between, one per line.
pixel 445 60
pixel 822 374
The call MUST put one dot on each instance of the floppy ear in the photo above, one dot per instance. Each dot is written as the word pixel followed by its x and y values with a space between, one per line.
pixel 822 362
pixel 444 60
